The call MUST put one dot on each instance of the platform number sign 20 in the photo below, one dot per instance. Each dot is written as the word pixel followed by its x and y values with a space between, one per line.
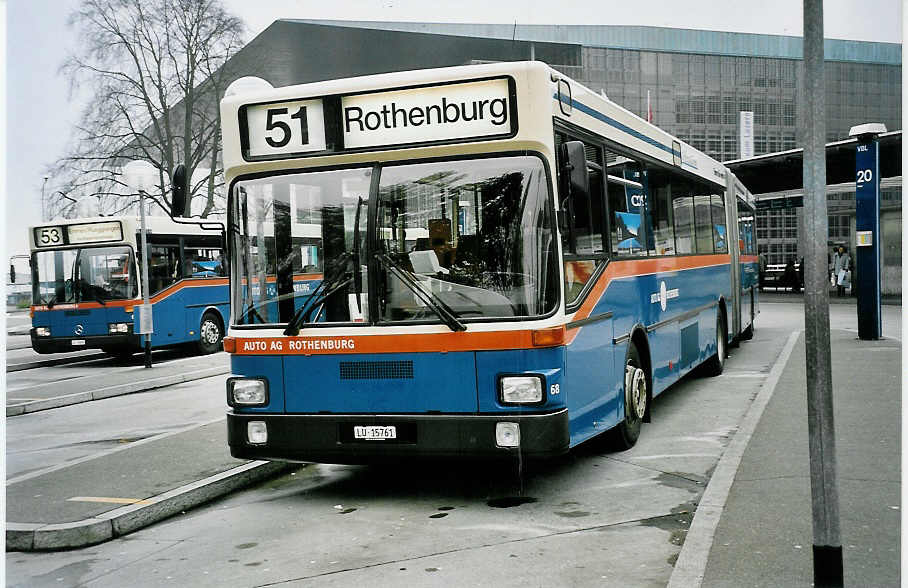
pixel 285 129
pixel 864 175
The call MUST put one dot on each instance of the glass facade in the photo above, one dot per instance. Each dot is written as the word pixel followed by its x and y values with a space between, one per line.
pixel 697 97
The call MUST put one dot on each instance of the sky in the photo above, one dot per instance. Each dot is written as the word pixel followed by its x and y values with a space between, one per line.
pixel 41 110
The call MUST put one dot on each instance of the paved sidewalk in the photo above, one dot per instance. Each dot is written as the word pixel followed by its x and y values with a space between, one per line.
pixel 764 534
pixel 94 499
pixel 126 380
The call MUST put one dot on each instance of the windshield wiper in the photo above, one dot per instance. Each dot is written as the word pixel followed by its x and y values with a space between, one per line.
pixel 50 303
pixel 327 288
pixel 426 296
pixel 357 269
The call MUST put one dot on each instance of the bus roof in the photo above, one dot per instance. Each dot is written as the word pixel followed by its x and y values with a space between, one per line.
pixel 587 109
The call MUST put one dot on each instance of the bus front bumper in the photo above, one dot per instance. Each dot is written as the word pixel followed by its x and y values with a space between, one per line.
pixel 125 342
pixel 329 438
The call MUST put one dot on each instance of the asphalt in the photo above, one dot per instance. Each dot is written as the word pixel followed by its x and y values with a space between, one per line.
pixel 753 524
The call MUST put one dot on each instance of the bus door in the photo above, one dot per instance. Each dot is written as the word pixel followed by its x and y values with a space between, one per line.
pixel 164 271
pixel 734 249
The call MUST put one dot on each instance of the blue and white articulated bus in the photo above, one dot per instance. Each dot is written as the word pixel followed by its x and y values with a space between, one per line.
pixel 86 285
pixel 507 264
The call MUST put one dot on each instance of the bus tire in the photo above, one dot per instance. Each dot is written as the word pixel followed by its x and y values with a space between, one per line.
pixel 636 397
pixel 716 364
pixel 748 333
pixel 211 334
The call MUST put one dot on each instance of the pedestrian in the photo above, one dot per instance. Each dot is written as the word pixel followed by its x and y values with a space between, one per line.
pixel 841 263
pixel 762 259
pixel 790 276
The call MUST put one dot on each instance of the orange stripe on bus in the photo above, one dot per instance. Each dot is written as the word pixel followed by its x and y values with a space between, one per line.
pixel 172 289
pixel 401 343
pixel 638 267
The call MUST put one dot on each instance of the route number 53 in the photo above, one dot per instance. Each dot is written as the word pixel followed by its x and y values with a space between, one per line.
pixel 50 236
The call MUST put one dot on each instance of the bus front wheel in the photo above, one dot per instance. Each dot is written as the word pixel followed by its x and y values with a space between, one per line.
pixel 636 397
pixel 210 334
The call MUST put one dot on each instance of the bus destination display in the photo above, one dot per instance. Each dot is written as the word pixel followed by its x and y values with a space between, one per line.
pixel 103 232
pixel 450 112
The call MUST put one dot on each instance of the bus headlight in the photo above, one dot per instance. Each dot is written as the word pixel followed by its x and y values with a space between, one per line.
pixel 42 331
pixel 247 392
pixel 115 328
pixel 521 389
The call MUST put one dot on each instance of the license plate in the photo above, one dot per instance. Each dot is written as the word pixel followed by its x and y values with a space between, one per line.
pixel 77 342
pixel 375 433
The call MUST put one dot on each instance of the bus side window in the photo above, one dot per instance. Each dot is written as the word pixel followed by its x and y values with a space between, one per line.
pixel 660 188
pixel 627 205
pixel 703 223
pixel 720 231
pixel 683 213
pixel 589 224
pixel 164 268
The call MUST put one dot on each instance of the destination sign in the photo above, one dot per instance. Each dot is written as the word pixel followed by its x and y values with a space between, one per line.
pixel 94 232
pixel 81 234
pixel 467 110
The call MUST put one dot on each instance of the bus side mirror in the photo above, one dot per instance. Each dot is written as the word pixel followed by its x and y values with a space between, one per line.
pixel 12 274
pixel 178 198
pixel 577 177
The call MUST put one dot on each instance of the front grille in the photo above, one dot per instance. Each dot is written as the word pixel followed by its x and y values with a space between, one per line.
pixel 376 370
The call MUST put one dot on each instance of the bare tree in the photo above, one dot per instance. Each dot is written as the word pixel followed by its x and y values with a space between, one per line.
pixel 156 70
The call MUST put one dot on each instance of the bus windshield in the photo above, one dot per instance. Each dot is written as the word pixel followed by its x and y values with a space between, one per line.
pixel 94 274
pixel 446 241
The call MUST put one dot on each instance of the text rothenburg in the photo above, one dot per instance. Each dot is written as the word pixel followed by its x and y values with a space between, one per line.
pixel 391 116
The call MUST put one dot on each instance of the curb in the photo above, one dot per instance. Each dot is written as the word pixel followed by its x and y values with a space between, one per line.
pixel 691 564
pixel 18 367
pixel 126 519
pixel 118 390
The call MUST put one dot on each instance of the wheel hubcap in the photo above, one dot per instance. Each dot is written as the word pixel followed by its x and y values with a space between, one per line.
pixel 635 385
pixel 210 332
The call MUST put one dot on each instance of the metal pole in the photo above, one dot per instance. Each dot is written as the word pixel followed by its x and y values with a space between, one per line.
pixel 827 543
pixel 43 201
pixel 145 262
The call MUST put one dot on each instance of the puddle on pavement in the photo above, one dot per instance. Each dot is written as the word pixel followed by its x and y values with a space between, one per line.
pixel 510 501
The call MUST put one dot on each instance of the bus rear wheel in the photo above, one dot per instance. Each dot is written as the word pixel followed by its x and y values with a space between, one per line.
pixel 210 334
pixel 716 364
pixel 636 397
pixel 748 333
